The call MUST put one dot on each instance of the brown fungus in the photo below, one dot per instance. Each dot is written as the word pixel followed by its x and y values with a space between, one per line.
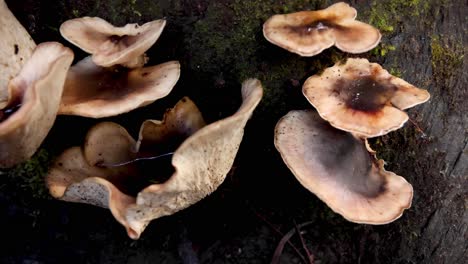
pixel 112 45
pixel 362 98
pixel 100 173
pixel 94 91
pixel 341 169
pixel 308 33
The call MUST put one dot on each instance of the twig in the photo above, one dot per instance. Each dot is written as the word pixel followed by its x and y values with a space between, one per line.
pixel 298 252
pixel 283 241
pixel 309 256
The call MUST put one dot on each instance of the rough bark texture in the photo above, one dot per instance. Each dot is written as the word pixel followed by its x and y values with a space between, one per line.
pixel 219 44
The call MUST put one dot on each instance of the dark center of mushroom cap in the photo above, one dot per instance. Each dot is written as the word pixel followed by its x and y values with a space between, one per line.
pixel 364 93
pixel 115 38
pixel 346 158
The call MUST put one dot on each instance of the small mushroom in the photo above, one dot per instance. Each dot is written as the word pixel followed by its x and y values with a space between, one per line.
pixel 362 98
pixel 108 171
pixel 112 45
pixel 308 33
pixel 341 169
pixel 16 46
pixel 94 91
pixel 34 97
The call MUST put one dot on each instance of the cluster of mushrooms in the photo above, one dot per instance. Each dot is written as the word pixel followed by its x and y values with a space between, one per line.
pixel 328 151
pixel 38 82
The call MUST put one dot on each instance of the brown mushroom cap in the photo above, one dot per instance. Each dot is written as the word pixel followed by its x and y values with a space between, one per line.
pixel 112 45
pixel 308 33
pixel 16 47
pixel 362 98
pixel 94 91
pixel 340 170
pixel 35 95
pixel 201 163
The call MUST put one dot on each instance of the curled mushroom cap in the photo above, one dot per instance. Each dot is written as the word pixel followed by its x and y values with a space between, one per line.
pixel 94 91
pixel 340 169
pixel 112 45
pixel 16 46
pixel 362 98
pixel 308 33
pixel 34 97
pixel 109 171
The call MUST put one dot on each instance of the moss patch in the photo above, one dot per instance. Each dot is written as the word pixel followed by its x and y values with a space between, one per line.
pixel 29 176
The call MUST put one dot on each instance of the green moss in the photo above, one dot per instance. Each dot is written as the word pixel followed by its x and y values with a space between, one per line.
pixel 446 58
pixel 30 175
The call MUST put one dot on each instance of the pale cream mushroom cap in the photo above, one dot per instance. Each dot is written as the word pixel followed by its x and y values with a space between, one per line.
pixel 112 45
pixel 94 91
pixel 308 33
pixel 201 163
pixel 362 98
pixel 16 47
pixel 36 91
pixel 340 170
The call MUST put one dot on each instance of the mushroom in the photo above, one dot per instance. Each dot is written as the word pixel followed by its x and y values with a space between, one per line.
pixel 308 33
pixel 94 91
pixel 341 169
pixel 16 46
pixel 362 98
pixel 33 101
pixel 108 171
pixel 112 45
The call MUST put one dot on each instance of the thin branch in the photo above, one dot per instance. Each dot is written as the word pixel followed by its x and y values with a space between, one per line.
pixel 309 256
pixel 282 243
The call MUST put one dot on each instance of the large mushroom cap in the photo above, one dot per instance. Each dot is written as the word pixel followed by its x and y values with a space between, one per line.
pixel 101 175
pixel 339 169
pixel 34 97
pixel 362 98
pixel 16 46
pixel 112 45
pixel 308 33
pixel 94 91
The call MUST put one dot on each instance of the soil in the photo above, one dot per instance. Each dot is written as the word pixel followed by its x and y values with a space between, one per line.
pixel 219 44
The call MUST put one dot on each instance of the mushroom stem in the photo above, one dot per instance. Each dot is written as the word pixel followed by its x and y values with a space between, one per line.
pixel 16 46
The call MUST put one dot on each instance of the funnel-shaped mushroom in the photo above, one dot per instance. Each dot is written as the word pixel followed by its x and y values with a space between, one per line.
pixel 16 46
pixel 308 33
pixel 340 169
pixel 34 97
pixel 112 45
pixel 362 98
pixel 108 171
pixel 94 91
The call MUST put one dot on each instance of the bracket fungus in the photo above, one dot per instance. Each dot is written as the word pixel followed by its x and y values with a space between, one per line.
pixel 112 45
pixel 34 96
pixel 94 91
pixel 341 169
pixel 107 171
pixel 308 33
pixel 113 81
pixel 362 98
